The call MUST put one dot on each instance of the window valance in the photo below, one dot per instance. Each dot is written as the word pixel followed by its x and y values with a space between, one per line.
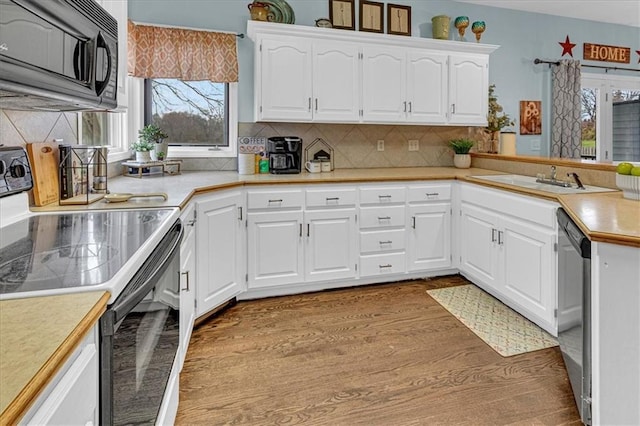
pixel 186 54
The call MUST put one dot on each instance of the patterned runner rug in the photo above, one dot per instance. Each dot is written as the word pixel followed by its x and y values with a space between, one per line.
pixel 506 331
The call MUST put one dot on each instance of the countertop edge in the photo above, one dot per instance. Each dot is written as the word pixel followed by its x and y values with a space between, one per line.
pixel 21 404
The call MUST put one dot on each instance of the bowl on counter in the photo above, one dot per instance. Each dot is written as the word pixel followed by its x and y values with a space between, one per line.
pixel 630 186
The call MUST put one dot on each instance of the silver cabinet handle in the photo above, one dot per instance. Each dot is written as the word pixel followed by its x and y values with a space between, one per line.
pixel 493 235
pixel 276 201
pixel 385 266
pixel 410 106
pixel 500 239
pixel 432 194
pixel 453 108
pixel 385 242
pixel 191 223
pixel 187 276
pixel 240 213
pixel 413 222
pixel 316 104
pixel 332 199
pixel 308 229
pixel 384 196
pixel 405 106
pixel 384 217
pixel 301 230
pixel 309 104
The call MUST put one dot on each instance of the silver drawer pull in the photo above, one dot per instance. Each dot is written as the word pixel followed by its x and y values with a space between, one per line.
pixel 333 198
pixel 384 196
pixel 385 266
pixel 385 242
pixel 276 201
pixel 432 194
pixel 384 217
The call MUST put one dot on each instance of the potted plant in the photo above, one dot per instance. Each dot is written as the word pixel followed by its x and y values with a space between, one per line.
pixel 495 121
pixel 461 147
pixel 153 134
pixel 143 150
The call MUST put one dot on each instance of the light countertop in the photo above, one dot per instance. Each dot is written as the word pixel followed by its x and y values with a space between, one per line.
pixel 37 335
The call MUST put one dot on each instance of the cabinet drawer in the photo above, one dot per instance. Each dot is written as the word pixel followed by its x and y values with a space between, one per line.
pixel 383 195
pixel 382 264
pixel 285 199
pixel 382 217
pixel 423 193
pixel 328 197
pixel 382 241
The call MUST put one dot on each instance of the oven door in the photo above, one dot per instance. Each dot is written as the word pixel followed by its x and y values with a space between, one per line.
pixel 139 338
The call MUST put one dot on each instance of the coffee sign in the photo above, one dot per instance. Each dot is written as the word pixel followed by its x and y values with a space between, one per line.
pixel 604 53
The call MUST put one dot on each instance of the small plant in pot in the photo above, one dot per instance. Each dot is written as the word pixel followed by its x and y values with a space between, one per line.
pixel 143 150
pixel 153 134
pixel 461 148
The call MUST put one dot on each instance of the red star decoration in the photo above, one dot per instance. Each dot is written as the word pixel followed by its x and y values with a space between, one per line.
pixel 638 52
pixel 567 47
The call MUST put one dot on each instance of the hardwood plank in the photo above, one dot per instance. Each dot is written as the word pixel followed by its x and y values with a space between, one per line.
pixel 385 354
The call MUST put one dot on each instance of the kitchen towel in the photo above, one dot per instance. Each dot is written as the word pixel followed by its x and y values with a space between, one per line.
pixel 506 331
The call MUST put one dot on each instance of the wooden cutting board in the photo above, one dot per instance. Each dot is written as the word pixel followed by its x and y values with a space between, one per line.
pixel 44 160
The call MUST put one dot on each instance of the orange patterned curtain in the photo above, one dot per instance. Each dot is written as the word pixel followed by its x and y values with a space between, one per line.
pixel 160 52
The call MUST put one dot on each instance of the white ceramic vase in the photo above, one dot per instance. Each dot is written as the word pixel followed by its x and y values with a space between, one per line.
pixel 462 161
pixel 143 156
pixel 160 151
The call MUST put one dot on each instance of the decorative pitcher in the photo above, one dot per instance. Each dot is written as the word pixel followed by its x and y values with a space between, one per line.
pixel 441 25
pixel 258 11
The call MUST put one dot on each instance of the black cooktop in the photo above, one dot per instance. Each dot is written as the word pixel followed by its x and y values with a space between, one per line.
pixel 52 251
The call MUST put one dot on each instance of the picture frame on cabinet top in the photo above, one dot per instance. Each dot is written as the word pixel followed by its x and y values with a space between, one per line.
pixel 398 19
pixel 371 16
pixel 342 14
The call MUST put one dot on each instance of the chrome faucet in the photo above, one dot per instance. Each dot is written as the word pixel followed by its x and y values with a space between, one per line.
pixel 577 179
pixel 553 172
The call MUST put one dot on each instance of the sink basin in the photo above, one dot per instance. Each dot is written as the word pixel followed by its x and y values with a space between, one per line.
pixel 529 182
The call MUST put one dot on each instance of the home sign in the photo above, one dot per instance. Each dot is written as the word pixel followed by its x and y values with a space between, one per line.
pixel 604 53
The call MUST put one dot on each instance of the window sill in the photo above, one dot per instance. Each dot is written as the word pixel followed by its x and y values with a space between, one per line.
pixel 119 156
pixel 204 152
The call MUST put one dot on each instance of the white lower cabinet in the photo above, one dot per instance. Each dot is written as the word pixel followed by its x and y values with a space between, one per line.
pixel 331 244
pixel 511 255
pixel 188 279
pixel 72 396
pixel 275 248
pixel 220 249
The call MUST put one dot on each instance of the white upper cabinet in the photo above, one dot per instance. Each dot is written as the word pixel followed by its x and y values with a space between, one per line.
pixel 336 92
pixel 285 80
pixel 468 89
pixel 313 74
pixel 384 84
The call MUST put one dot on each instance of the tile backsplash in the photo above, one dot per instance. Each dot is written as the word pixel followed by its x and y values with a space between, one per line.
pixel 355 145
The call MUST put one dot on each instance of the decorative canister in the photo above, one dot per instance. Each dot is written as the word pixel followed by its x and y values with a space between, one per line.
pixel 441 25
pixel 258 11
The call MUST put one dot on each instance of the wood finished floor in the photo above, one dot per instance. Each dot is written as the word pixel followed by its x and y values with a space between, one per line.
pixel 376 355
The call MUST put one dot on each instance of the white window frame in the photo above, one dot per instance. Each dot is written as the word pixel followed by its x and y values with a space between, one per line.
pixel 605 83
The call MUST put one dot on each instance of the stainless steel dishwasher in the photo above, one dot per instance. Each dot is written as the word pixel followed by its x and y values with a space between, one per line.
pixel 574 309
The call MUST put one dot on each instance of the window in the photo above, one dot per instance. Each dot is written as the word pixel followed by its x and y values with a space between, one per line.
pixel 611 117
pixel 198 116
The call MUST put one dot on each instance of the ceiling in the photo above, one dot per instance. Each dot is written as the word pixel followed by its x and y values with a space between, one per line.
pixel 624 12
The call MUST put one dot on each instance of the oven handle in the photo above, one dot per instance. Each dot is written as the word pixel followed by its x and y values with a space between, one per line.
pixel 145 279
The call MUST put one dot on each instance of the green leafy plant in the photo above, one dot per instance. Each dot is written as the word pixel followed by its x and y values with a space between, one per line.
pixel 152 133
pixel 142 146
pixel 496 121
pixel 461 146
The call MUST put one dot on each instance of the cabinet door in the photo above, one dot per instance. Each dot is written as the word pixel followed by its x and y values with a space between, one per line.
pixel 429 236
pixel 427 83
pixel 384 84
pixel 275 249
pixel 478 244
pixel 187 281
pixel 220 233
pixel 336 82
pixel 285 80
pixel 331 244
pixel 468 89
pixel 528 265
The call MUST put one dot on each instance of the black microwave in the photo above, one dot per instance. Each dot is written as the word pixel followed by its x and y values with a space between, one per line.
pixel 59 55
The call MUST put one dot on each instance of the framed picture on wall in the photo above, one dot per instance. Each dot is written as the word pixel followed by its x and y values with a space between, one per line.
pixel 530 117
pixel 398 19
pixel 371 16
pixel 342 14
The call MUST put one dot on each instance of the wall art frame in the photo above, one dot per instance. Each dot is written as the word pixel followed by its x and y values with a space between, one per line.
pixel 371 16
pixel 398 19
pixel 342 14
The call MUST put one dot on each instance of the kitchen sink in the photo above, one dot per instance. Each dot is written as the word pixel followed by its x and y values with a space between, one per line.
pixel 530 182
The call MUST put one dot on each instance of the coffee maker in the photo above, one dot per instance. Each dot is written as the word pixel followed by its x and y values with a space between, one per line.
pixel 285 154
